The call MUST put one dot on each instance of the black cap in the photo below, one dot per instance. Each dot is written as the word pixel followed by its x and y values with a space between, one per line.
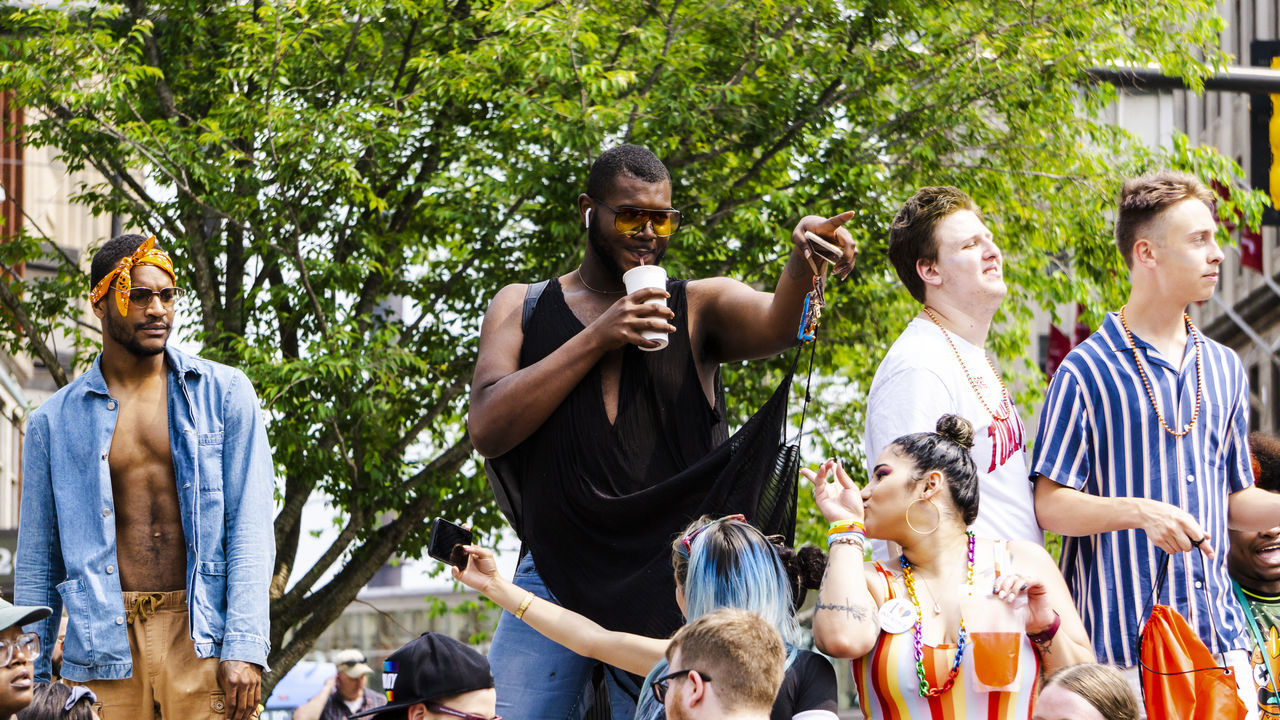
pixel 429 668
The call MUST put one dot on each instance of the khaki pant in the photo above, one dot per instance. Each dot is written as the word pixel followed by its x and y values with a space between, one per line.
pixel 168 680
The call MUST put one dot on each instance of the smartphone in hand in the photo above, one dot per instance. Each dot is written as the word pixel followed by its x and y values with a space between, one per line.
pixel 824 248
pixel 446 543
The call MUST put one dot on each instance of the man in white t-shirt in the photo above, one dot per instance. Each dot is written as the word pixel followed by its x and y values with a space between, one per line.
pixel 945 256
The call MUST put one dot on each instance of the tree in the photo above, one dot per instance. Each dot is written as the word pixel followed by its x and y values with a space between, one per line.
pixel 346 184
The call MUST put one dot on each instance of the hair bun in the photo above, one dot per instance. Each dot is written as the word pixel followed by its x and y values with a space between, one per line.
pixel 813 565
pixel 957 430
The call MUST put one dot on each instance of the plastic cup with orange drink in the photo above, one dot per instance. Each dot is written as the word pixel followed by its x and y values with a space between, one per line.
pixel 995 630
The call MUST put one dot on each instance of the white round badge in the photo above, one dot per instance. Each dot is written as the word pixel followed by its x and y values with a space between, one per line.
pixel 896 616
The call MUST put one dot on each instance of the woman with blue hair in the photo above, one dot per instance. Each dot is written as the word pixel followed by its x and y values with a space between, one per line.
pixel 718 563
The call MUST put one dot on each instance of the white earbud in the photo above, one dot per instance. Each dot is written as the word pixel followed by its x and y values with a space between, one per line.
pixel 587 223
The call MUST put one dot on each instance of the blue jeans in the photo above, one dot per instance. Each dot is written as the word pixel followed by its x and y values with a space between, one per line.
pixel 537 679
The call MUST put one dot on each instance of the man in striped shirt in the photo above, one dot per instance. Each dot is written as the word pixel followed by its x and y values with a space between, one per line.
pixel 1142 441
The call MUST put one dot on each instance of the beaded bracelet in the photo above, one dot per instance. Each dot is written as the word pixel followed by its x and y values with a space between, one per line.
pixel 853 537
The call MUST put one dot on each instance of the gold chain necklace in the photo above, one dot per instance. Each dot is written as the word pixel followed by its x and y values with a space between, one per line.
pixel 1004 392
pixel 602 292
pixel 1146 383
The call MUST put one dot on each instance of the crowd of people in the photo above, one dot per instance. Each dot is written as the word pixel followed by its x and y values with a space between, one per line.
pixel 649 588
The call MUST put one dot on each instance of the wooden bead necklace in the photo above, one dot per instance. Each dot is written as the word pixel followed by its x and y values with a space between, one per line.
pixel 1005 404
pixel 1146 383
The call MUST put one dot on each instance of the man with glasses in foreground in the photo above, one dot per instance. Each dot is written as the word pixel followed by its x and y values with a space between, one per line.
pixel 595 428
pixel 434 677
pixel 17 651
pixel 731 668
pixel 146 511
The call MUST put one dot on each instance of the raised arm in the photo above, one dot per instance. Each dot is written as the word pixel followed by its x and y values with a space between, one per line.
pixel 508 403
pixel 844 622
pixel 730 321
pixel 636 654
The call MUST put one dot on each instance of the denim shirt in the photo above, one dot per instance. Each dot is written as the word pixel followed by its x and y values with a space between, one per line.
pixel 67 530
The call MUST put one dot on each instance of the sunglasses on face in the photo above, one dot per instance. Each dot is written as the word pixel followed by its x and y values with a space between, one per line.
pixel 27 646
pixel 663 684
pixel 140 297
pixel 688 539
pixel 630 221
pixel 443 710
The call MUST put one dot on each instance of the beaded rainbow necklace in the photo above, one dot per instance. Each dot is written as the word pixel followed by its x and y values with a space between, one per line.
pixel 917 632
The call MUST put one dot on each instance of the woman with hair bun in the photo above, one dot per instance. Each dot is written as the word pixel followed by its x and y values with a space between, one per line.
pixel 724 563
pixel 903 626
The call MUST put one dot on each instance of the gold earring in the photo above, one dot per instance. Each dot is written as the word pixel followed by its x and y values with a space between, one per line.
pixel 907 516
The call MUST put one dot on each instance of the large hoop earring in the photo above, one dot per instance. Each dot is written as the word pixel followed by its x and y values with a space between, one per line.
pixel 907 516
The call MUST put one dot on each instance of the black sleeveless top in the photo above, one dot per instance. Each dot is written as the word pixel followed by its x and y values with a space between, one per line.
pixel 602 502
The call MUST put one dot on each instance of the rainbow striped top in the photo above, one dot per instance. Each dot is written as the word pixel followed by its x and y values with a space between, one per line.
pixel 888 688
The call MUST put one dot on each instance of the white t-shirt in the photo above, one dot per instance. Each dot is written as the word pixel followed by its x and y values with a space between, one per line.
pixel 918 382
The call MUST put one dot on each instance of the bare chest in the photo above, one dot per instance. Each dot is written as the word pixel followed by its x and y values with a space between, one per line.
pixel 140 458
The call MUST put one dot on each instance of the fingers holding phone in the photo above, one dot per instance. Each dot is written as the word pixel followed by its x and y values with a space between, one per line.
pixel 447 541
pixel 827 239
pixel 479 570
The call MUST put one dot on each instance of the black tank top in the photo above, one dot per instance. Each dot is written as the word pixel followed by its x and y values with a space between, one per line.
pixel 602 502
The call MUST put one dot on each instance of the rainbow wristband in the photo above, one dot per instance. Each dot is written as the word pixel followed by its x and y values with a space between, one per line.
pixel 853 537
pixel 841 526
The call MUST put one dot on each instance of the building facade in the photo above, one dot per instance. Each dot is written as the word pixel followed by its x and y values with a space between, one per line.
pixel 36 197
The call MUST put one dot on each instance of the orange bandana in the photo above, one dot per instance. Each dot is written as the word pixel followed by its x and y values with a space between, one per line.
pixel 146 254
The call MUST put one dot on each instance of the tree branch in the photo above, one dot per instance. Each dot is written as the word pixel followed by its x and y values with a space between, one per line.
pixel 37 344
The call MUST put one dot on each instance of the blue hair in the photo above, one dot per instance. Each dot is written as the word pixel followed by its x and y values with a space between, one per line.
pixel 730 564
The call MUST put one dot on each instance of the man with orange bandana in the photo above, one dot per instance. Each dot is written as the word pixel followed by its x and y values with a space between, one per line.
pixel 146 512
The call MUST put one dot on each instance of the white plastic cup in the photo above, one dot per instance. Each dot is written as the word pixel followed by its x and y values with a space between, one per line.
pixel 648 276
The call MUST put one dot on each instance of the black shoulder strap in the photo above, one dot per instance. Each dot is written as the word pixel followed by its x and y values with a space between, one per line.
pixel 531 301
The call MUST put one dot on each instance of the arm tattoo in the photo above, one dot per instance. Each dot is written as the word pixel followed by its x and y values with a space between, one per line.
pixel 857 613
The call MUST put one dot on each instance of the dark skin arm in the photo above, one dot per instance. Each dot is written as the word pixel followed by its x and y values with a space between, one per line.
pixel 509 403
pixel 729 321
pixel 242 682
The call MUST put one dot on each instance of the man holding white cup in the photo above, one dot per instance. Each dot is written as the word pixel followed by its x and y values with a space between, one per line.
pixel 594 428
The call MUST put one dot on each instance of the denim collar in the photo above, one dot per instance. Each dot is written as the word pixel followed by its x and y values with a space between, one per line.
pixel 178 362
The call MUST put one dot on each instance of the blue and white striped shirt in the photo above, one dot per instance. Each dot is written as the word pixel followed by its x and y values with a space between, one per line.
pixel 1099 434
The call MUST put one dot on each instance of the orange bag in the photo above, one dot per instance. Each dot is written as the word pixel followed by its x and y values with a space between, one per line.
pixel 1181 680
